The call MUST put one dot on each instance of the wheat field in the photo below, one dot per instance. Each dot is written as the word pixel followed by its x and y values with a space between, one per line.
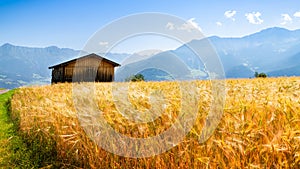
pixel 260 126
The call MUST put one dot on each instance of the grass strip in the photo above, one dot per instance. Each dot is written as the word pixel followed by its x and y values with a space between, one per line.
pixel 14 152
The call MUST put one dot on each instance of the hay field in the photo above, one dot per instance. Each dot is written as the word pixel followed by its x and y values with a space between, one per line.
pixel 260 127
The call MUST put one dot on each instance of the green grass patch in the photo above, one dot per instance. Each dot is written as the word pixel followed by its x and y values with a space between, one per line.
pixel 17 150
pixel 13 152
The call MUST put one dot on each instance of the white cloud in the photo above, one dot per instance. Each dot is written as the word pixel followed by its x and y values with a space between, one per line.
pixel 170 26
pixel 190 25
pixel 254 18
pixel 286 19
pixel 103 43
pixel 297 14
pixel 219 23
pixel 230 14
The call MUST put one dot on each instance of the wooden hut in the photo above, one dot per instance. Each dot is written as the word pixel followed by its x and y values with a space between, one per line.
pixel 87 68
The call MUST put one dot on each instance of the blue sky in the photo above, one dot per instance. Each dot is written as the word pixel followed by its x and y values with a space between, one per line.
pixel 70 23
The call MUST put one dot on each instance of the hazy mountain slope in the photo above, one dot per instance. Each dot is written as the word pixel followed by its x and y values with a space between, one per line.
pixel 25 65
pixel 263 51
pixel 290 71
pixel 266 51
pixel 164 61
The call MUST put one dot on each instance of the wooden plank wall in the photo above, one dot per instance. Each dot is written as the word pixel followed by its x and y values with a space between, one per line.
pixel 87 69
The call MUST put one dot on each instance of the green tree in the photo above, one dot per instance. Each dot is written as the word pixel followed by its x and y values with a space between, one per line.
pixel 263 75
pixel 135 78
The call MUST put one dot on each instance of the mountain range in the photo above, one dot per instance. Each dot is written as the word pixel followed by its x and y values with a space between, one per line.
pixel 274 51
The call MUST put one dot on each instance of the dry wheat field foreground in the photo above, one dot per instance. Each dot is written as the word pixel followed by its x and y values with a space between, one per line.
pixel 260 127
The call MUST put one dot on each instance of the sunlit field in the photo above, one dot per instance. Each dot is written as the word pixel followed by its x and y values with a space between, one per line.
pixel 260 127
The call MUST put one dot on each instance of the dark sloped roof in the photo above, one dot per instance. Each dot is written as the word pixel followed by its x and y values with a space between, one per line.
pixel 86 56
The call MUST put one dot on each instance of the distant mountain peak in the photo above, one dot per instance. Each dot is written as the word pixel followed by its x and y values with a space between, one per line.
pixel 214 37
pixel 273 33
pixel 7 45
pixel 52 47
pixel 275 29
